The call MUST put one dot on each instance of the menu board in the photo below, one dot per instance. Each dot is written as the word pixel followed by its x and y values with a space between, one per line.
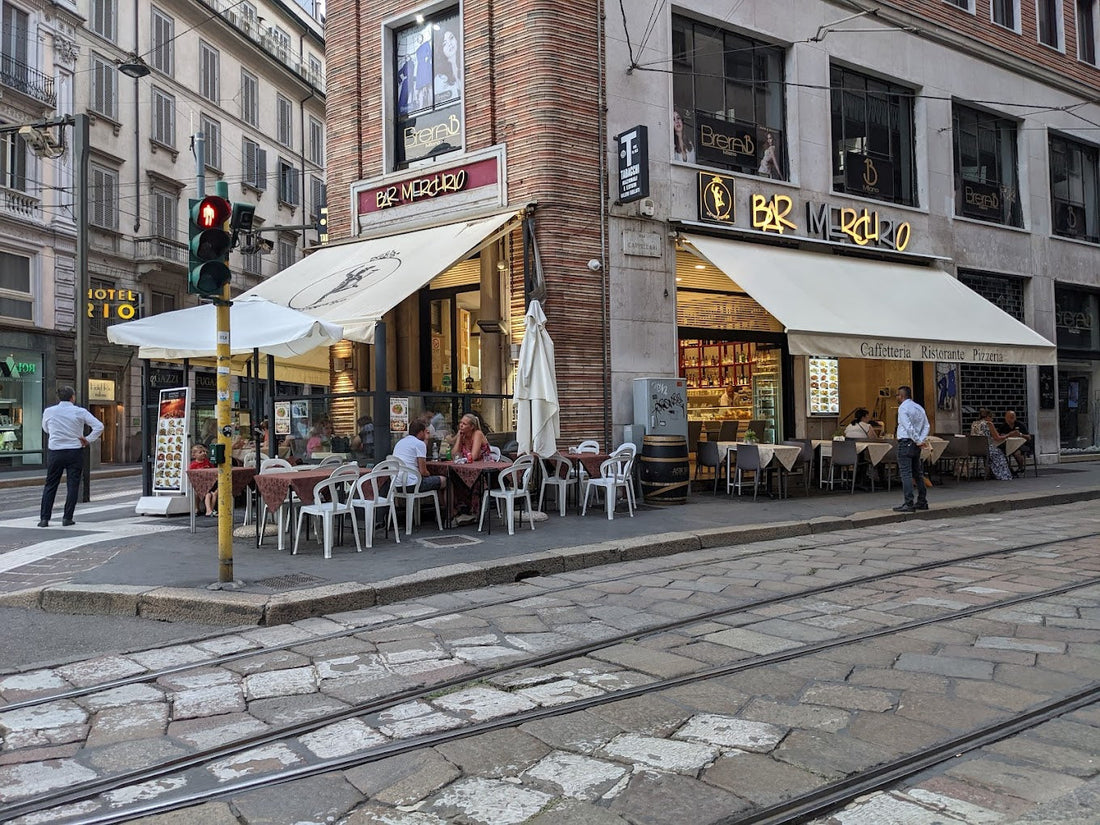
pixel 824 386
pixel 172 455
pixel 399 415
pixel 282 418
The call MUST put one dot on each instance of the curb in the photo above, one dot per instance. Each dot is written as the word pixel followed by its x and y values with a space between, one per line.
pixel 236 608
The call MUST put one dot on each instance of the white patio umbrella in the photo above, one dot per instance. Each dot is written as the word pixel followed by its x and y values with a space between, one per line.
pixel 536 392
pixel 255 324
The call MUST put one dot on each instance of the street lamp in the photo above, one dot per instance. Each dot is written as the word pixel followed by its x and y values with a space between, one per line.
pixel 133 66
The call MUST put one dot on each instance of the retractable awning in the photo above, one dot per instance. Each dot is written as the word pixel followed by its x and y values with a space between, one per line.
pixel 355 284
pixel 855 308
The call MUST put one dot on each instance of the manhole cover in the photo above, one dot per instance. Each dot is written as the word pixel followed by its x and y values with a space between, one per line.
pixel 450 541
pixel 290 580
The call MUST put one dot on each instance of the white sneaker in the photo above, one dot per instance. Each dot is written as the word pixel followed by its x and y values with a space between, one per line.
pixel 465 518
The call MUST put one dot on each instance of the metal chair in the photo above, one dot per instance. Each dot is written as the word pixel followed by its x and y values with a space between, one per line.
pixel 729 431
pixel 889 465
pixel 758 426
pixel 512 484
pixel 328 505
pixel 695 428
pixel 614 476
pixel 707 456
pixel 803 466
pixel 846 459
pixel 557 473
pixel 379 480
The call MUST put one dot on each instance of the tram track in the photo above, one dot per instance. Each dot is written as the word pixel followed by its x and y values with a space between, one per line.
pixel 90 790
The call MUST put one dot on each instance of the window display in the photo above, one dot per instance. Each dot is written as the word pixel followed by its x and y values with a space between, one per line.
pixel 21 408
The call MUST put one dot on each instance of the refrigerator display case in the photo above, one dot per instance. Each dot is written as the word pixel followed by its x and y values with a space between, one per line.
pixel 766 390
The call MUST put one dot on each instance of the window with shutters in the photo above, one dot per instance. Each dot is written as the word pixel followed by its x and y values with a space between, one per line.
pixel 16 300
pixel 285 121
pixel 727 93
pixel 250 98
pixel 316 70
pixel 986 167
pixel 162 55
pixel 1086 30
pixel 165 214
pixel 104 197
pixel 288 253
pixel 208 72
pixel 15 48
pixel 1006 13
pixel 318 197
pixel 103 19
pixel 255 164
pixel 251 263
pixel 212 132
pixel 427 87
pixel 13 161
pixel 316 142
pixel 1074 179
pixel 104 87
pixel 1049 18
pixel 161 302
pixel 288 184
pixel 164 117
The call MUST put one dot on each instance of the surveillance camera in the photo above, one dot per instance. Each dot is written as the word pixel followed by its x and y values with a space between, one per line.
pixel 595 265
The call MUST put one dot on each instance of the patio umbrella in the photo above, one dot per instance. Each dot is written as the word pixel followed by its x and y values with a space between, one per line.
pixel 536 393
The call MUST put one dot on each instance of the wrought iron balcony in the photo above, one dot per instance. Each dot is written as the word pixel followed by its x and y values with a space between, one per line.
pixel 19 76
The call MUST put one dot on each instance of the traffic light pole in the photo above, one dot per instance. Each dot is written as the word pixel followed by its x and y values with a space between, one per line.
pixel 225 430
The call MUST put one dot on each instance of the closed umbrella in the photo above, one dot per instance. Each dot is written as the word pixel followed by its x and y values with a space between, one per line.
pixel 536 393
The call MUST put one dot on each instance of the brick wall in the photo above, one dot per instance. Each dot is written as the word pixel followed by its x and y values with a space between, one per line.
pixel 531 76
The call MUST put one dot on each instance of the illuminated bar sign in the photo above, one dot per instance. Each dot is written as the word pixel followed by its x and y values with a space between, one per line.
pixel 429 186
pixel 824 221
pixel 113 304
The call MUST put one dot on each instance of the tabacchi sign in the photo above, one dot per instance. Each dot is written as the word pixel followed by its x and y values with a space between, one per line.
pixel 428 186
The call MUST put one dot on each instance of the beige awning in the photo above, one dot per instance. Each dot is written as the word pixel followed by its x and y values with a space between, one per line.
pixel 855 308
pixel 359 282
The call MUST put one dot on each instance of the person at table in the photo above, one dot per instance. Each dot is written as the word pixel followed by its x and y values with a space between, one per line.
pixel 315 442
pixel 200 460
pixel 862 427
pixel 470 442
pixel 998 461
pixel 412 450
pixel 912 433
pixel 1009 426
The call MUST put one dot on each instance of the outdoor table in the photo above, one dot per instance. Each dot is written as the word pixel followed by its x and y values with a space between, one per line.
pixel 873 451
pixel 1013 443
pixel 784 455
pixel 476 476
pixel 203 481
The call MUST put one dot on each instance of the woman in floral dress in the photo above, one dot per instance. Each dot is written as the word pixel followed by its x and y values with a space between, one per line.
pixel 998 461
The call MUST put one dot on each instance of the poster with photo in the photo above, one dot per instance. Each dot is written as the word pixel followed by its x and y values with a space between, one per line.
pixel 399 415
pixel 171 448
pixel 282 418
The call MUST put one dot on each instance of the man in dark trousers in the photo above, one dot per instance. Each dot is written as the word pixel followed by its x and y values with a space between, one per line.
pixel 912 433
pixel 64 425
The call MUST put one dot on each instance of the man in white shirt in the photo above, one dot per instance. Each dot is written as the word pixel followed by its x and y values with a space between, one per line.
pixel 912 433
pixel 413 452
pixel 64 425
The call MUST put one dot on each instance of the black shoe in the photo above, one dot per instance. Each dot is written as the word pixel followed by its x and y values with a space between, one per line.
pixel 44 523
pixel 905 508
pixel 68 523
pixel 921 505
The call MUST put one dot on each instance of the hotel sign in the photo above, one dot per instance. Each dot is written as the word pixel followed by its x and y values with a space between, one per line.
pixel 429 186
pixel 116 304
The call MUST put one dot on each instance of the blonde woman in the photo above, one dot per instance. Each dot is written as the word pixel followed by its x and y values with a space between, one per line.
pixel 470 442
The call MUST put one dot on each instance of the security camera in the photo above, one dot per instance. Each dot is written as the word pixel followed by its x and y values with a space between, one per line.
pixel 595 265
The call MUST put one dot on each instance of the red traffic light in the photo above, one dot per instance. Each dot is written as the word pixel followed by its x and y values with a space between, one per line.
pixel 211 212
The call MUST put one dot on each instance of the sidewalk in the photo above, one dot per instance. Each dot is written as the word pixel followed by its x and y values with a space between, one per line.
pixel 167 575
pixel 36 478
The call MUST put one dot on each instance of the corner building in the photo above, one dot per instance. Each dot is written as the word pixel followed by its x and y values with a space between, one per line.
pixel 833 199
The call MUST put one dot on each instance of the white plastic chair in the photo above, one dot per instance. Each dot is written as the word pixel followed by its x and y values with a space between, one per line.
pixel 512 484
pixel 614 476
pixel 330 500
pixel 630 450
pixel 589 446
pixel 494 452
pixel 248 459
pixel 330 461
pixel 557 472
pixel 411 494
pixel 376 479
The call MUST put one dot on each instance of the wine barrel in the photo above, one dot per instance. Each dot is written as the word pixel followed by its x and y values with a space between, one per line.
pixel 664 469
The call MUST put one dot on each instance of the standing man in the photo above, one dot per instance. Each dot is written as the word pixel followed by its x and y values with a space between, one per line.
pixel 912 433
pixel 64 426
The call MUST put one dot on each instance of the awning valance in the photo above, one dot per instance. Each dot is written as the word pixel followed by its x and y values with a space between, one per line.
pixel 355 284
pixel 855 308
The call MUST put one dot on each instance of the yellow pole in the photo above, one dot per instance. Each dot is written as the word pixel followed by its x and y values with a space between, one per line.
pixel 225 439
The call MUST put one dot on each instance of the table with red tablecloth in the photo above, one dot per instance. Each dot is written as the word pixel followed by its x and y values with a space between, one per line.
pixel 204 480
pixel 476 476
pixel 274 488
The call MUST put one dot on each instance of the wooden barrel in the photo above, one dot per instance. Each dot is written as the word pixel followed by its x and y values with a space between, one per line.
pixel 664 469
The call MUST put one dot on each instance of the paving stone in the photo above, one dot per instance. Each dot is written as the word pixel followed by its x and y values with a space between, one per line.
pixel 998 695
pixel 144 791
pixel 654 662
pixel 895 733
pixel 403 780
pixel 209 701
pixel 651 714
pixel 341 738
pixel 275 660
pixel 501 753
pixel 619 680
pixel 750 641
pixel 211 731
pixel 881 807
pixel 663 754
pixel 559 693
pixel 371 814
pixel 121 724
pixel 290 710
pixel 280 683
pixel 122 696
pixel 849 698
pixel 575 776
pixel 123 756
pixel 538 642
pixel 30 685
pixel 481 703
pixel 1007 643
pixel 488 801
pixel 1076 808
pixel 1061 759
pixel 830 756
pixel 826 719
pixel 730 732
pixel 1073 734
pixel 659 799
pixel 410 650
pixel 415 719
pixel 487 655
pixel 760 779
pixel 431 671
pixel 765 682
pixel 209 813
pixel 41 754
pixel 953 714
pixel 708 697
pixel 1029 782
pixel 363 665
pixel 165 657
pixel 34 778
pixel 890 679
pixel 313 800
pixel 99 670
pixel 355 690
pixel 261 760
pixel 582 732
pixel 966 811
pixel 56 715
pixel 225 645
pixel 945 666
pixel 570 812
pixel 199 678
pixel 1039 679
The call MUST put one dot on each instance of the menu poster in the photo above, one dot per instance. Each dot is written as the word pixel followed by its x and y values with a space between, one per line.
pixel 824 386
pixel 172 454
pixel 282 418
pixel 399 415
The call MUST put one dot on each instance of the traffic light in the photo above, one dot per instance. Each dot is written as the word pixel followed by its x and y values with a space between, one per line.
pixel 210 242
pixel 320 223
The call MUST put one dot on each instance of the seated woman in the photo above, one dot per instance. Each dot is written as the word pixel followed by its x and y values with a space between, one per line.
pixel 469 444
pixel 862 426
pixel 200 460
pixel 998 462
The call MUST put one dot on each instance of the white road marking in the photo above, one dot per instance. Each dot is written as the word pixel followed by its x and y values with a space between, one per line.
pixel 90 533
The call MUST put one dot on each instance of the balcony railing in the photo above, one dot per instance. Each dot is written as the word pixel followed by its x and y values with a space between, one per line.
pixel 19 76
pixel 19 204
pixel 160 250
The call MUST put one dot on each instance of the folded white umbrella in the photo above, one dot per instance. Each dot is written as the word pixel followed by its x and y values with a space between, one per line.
pixel 536 391
pixel 255 324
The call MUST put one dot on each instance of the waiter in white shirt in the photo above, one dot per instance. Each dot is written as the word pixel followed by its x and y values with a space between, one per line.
pixel 912 433
pixel 64 426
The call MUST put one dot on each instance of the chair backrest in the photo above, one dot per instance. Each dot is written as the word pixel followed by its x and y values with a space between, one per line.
pixel 706 453
pixel 626 448
pixel 729 431
pixel 589 446
pixel 805 446
pixel 330 461
pixel 511 446
pixel 518 476
pixel 271 463
pixel 758 426
pixel 694 430
pixel 844 452
pixel 278 468
pixel 380 480
pixel 332 489
pixel 977 445
pixel 748 457
pixel 494 452
pixel 617 467
pixel 556 466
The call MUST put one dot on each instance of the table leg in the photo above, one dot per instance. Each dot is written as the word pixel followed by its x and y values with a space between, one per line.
pixel 191 498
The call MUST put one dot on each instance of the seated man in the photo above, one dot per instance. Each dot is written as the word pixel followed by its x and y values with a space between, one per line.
pixel 1025 452
pixel 413 451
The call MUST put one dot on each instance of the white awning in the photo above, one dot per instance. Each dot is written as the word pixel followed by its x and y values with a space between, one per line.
pixel 355 284
pixel 855 308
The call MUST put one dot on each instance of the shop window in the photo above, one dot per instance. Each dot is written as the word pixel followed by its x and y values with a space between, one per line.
pixel 986 171
pixel 1049 18
pixel 427 87
pixel 20 406
pixel 1074 202
pixel 1086 31
pixel 727 97
pixel 16 300
pixel 1006 13
pixel 13 162
pixel 162 55
pixel 872 123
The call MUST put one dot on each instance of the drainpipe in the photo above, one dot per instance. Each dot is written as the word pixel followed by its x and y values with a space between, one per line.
pixel 605 274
